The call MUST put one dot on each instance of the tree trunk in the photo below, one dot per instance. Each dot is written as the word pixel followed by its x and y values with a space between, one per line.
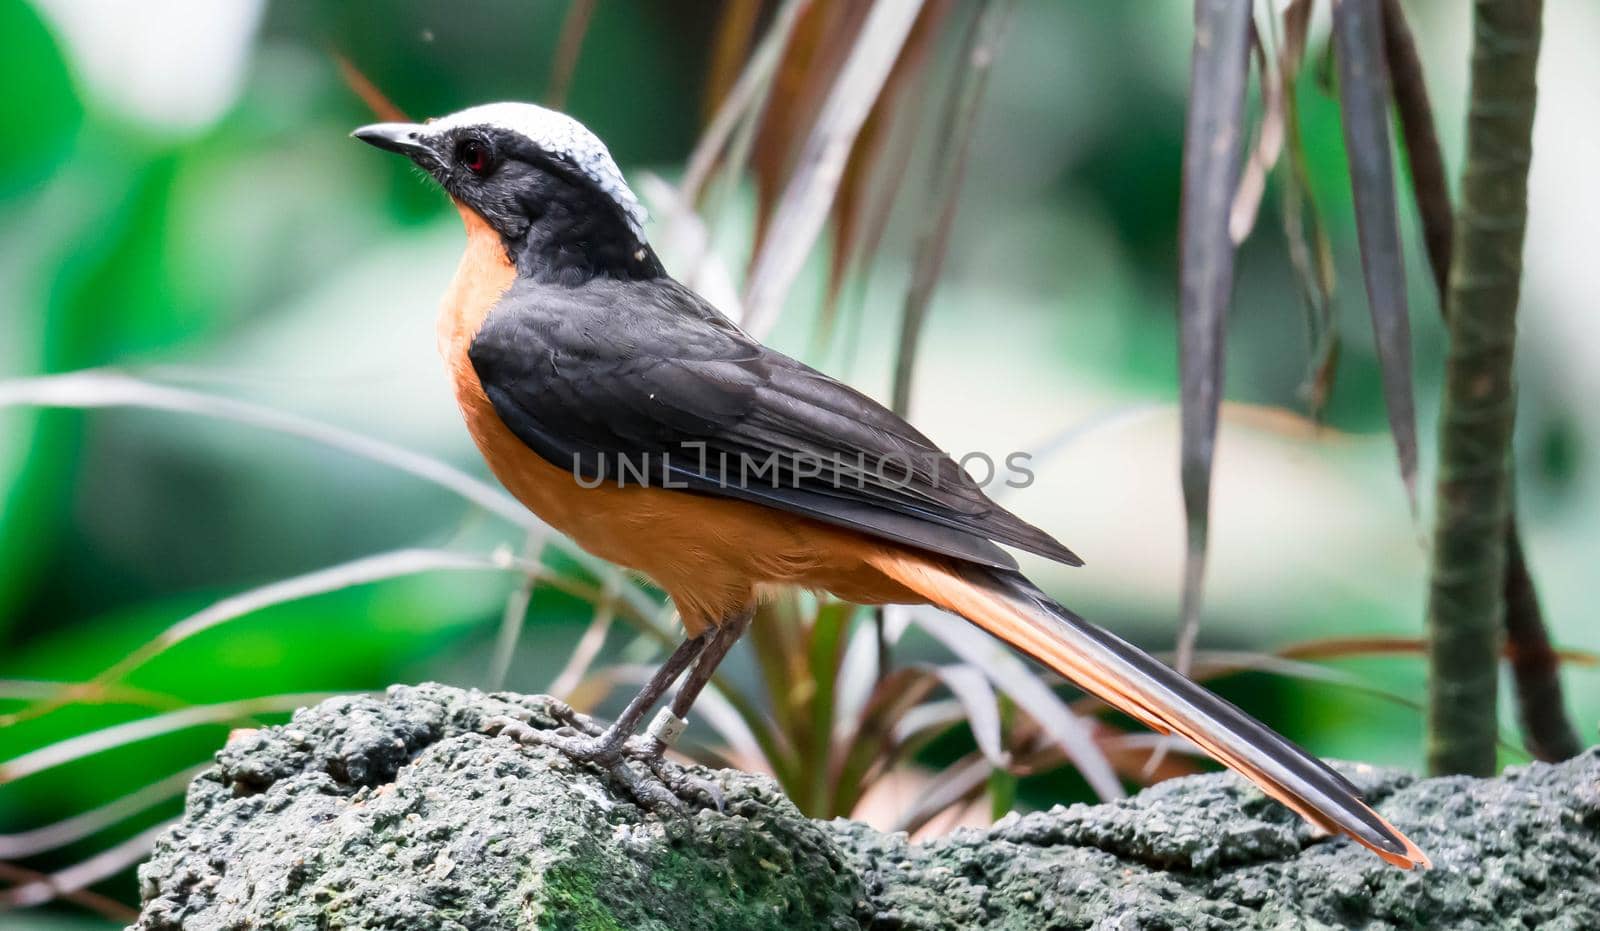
pixel 1547 731
pixel 1466 605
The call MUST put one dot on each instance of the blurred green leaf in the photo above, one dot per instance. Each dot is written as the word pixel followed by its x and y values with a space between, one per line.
pixel 828 636
pixel 39 110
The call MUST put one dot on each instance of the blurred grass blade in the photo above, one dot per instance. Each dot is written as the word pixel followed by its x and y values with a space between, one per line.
pixel 379 103
pixel 106 388
pixel 94 388
pixel 1012 677
pixel 877 165
pixel 775 749
pixel 683 239
pixel 826 642
pixel 722 716
pixel 747 95
pixel 1339 647
pixel 1220 663
pixel 931 716
pixel 83 745
pixel 1035 752
pixel 1110 418
pixel 822 42
pixel 84 692
pixel 594 637
pixel 1364 103
pixel 955 784
pixel 775 652
pixel 1213 138
pixel 363 571
pixel 1002 789
pixel 568 47
pixel 1215 664
pixel 954 145
pixel 514 616
pixel 1296 31
pixel 872 748
pixel 981 707
pixel 806 199
pixel 1212 664
pixel 69 830
pixel 1161 744
pixel 858 671
pixel 113 911
pixel 732 128
pixel 103 865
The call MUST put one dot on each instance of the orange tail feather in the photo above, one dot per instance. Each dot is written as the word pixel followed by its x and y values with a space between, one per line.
pixel 1008 606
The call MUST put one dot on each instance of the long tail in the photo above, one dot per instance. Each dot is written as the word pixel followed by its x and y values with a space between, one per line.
pixel 1009 606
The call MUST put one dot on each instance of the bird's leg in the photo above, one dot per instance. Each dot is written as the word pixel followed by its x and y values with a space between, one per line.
pixel 608 749
pixel 671 721
pixel 605 748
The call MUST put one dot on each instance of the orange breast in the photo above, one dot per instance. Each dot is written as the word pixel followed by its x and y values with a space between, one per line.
pixel 712 555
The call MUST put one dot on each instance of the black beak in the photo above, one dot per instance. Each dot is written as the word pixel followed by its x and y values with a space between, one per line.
pixel 405 138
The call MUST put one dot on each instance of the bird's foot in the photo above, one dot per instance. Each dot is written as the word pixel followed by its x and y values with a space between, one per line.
pixel 567 716
pixel 660 787
pixel 684 786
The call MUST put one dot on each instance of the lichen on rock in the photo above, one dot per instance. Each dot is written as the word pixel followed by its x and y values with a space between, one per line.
pixel 401 812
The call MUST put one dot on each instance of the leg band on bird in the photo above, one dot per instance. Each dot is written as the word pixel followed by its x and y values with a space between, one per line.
pixel 666 728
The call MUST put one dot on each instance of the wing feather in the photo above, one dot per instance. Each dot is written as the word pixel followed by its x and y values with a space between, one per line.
pixel 649 372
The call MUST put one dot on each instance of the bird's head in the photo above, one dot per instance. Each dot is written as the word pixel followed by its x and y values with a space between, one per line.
pixel 539 179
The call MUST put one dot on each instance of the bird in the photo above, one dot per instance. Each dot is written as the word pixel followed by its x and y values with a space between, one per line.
pixel 630 414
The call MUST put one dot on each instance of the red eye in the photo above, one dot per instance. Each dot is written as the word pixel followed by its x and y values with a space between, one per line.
pixel 475 156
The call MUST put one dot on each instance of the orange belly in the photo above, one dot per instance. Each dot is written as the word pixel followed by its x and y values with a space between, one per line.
pixel 713 556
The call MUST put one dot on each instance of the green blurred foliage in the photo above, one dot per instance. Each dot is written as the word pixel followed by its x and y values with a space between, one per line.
pixel 221 249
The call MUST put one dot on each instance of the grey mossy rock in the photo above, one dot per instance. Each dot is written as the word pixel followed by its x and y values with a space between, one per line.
pixel 400 813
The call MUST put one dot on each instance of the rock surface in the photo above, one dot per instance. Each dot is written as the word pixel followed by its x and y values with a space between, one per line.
pixel 400 813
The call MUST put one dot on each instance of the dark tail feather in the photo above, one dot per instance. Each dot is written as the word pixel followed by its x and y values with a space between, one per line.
pixel 1009 606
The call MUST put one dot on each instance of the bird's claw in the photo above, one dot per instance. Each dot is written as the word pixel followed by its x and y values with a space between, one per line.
pixel 648 789
pixel 564 714
pixel 685 786
pixel 660 788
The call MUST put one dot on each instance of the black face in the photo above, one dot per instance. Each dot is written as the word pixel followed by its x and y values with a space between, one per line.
pixel 556 224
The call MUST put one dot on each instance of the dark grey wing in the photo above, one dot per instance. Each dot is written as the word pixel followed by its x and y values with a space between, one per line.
pixel 643 383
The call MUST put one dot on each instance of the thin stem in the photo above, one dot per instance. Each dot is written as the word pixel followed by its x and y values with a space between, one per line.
pixel 983 40
pixel 1423 155
pixel 568 47
pixel 1547 732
